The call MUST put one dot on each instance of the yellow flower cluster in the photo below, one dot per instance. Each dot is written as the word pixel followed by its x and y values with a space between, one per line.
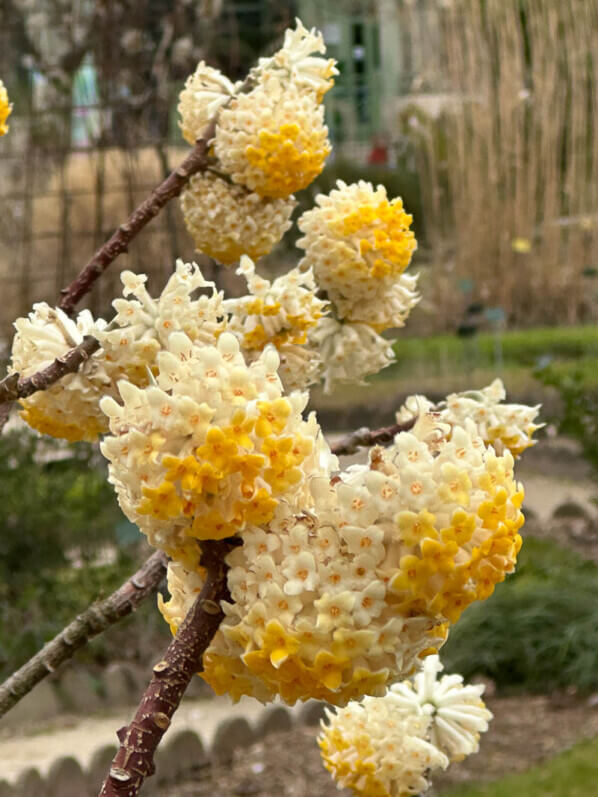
pixel 388 745
pixel 226 221
pixel 503 426
pixel 208 449
pixel 341 598
pixel 273 140
pixel 5 109
pixel 378 750
pixel 282 313
pixel 359 244
pixel 70 408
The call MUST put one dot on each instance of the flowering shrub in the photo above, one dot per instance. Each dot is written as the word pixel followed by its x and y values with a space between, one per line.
pixel 341 584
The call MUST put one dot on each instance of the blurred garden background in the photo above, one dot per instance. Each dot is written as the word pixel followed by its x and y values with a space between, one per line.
pixel 482 115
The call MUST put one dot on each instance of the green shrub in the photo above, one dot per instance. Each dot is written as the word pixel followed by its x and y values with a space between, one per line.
pixel 577 386
pixel 539 631
pixel 58 516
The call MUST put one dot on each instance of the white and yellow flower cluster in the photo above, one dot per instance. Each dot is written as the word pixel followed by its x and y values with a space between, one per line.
pixel 388 746
pixel 269 142
pixel 342 597
pixel 129 347
pixel 503 426
pixel 5 109
pixel 205 92
pixel 282 313
pixel 226 221
pixel 209 448
pixel 69 408
pixel 347 352
pixel 358 244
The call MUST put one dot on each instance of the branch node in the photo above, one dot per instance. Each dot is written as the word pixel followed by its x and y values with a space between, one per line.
pixel 122 733
pixel 120 774
pixel 210 607
pixel 161 720
pixel 161 667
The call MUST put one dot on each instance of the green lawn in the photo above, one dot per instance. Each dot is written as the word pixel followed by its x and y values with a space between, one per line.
pixel 573 773
pixel 442 364
pixel 517 347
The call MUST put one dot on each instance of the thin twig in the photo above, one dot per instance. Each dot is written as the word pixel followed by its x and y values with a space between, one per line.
pixel 95 619
pixel 12 387
pixel 198 160
pixel 134 760
pixel 366 438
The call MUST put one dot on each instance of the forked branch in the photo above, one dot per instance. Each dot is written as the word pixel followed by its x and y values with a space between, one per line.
pixel 198 160
pixel 134 761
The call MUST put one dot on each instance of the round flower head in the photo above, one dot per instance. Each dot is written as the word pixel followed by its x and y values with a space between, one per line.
pixel 504 426
pixel 359 244
pixel 70 407
pixel 342 598
pixel 208 449
pixel 206 90
pixel 313 614
pixel 227 221
pixel 273 140
pixel 349 351
pixel 457 714
pixel 282 313
pixel 5 109
pixel 376 749
pixel 296 61
pixel 309 617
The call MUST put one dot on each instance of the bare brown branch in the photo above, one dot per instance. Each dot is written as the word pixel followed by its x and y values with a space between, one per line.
pixel 134 761
pixel 366 438
pixel 198 160
pixel 95 619
pixel 12 387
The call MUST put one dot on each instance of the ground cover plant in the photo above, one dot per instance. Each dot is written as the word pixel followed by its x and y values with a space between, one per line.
pixel 570 774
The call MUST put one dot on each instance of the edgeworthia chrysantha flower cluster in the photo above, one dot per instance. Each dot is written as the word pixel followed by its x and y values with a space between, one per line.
pixel 388 746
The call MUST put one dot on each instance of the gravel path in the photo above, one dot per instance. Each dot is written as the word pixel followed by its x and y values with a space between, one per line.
pixel 81 737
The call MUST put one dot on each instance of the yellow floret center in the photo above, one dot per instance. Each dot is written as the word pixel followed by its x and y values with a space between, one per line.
pixel 293 330
pixel 287 159
pixel 452 567
pixel 382 236
pixel 249 454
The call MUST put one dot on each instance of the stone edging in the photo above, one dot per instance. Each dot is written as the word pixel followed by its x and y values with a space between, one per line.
pixel 181 756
